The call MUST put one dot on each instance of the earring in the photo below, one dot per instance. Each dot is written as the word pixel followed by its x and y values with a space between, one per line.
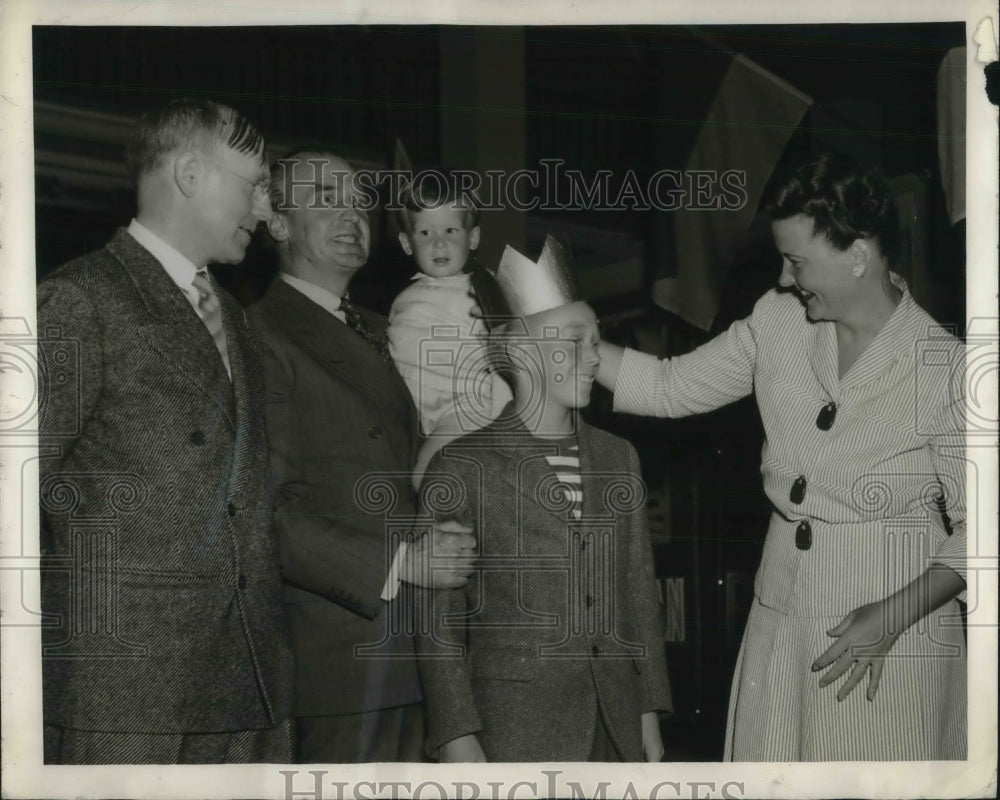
pixel 857 272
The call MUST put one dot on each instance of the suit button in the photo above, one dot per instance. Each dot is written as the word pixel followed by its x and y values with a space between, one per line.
pixel 590 601
pixel 242 582
pixel 197 438
pixel 375 432
pixel 595 650
pixel 231 510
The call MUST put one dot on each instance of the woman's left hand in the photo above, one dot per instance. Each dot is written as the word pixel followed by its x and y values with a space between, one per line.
pixel 864 637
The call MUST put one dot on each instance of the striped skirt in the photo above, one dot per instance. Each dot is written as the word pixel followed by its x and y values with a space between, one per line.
pixel 777 712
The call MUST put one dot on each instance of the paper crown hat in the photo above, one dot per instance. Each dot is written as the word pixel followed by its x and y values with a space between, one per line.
pixel 520 286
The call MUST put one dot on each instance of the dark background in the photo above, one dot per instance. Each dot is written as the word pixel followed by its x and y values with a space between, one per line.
pixel 618 98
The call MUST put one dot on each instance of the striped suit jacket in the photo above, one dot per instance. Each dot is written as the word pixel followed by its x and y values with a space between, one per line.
pixel 561 619
pixel 160 574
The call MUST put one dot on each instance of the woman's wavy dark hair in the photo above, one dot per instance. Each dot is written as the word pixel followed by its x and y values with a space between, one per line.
pixel 845 202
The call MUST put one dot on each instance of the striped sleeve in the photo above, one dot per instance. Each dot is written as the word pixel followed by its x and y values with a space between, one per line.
pixel 947 447
pixel 717 373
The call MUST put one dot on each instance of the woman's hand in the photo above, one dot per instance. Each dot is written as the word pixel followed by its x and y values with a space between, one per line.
pixel 867 634
pixel 864 638
pixel 463 750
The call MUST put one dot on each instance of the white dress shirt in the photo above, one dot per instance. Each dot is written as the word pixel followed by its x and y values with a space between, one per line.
pixel 324 298
pixel 177 266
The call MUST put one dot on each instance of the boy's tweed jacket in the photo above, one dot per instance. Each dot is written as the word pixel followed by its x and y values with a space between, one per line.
pixel 160 564
pixel 561 620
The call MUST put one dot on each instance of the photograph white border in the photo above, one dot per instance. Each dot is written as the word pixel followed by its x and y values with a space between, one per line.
pixel 20 689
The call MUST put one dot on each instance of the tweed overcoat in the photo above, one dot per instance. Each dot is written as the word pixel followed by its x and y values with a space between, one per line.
pixel 561 619
pixel 160 584
pixel 343 433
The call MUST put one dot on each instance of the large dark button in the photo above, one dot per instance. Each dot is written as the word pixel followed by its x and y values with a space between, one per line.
pixel 375 432
pixel 827 414
pixel 231 510
pixel 804 535
pixel 798 493
pixel 595 650
pixel 242 582
pixel 590 601
pixel 197 438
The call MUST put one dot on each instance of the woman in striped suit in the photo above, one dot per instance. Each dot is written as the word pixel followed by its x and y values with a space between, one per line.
pixel 854 649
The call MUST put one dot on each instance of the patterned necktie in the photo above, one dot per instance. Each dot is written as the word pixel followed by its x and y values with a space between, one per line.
pixel 357 324
pixel 211 314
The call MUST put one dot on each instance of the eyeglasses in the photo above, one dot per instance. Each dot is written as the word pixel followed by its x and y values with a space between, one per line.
pixel 260 186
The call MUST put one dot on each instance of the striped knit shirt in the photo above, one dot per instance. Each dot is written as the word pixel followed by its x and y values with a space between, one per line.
pixel 566 466
pixel 871 485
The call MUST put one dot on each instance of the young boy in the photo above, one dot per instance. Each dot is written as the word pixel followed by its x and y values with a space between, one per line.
pixel 431 327
pixel 554 650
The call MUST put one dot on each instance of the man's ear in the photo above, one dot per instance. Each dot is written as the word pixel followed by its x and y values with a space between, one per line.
pixel 187 171
pixel 474 238
pixel 277 228
pixel 404 242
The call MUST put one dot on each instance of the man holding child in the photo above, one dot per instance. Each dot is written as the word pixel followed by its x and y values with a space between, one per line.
pixel 344 434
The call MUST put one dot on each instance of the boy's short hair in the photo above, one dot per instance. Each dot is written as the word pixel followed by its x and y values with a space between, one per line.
pixel 197 124
pixel 431 188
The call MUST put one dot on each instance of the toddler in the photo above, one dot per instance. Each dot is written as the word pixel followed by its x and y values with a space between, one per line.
pixel 433 335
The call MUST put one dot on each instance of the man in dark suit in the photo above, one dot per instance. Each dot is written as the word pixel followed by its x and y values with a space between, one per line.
pixel 343 433
pixel 167 642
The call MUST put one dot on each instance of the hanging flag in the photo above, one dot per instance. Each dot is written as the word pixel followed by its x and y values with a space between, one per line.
pixel 751 119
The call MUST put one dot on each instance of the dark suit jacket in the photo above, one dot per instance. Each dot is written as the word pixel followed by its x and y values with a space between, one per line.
pixel 160 563
pixel 561 617
pixel 343 434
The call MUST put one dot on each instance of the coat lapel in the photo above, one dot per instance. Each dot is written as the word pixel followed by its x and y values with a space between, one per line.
pixel 823 358
pixel 247 392
pixel 339 349
pixel 528 473
pixel 593 495
pixel 613 479
pixel 890 346
pixel 172 327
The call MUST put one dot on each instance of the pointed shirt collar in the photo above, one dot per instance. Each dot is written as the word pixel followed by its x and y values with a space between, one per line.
pixel 177 266
pixel 324 298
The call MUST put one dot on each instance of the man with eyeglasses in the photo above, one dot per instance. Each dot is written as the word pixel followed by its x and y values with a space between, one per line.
pixel 168 642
